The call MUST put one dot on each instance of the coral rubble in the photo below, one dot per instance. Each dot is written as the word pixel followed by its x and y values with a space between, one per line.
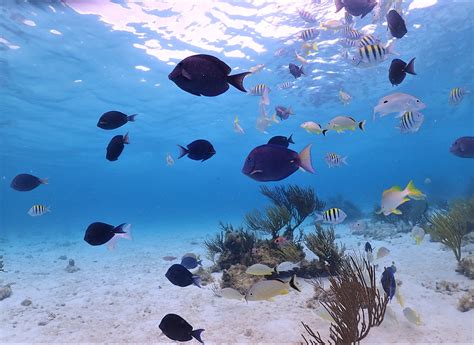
pixel 71 267
pixel 466 266
pixel 5 291
pixel 466 302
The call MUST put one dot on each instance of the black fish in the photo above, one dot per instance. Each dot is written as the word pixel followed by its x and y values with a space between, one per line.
pixel 115 147
pixel 114 119
pixel 190 262
pixel 356 7
pixel 180 276
pixel 399 69
pixel 176 328
pixel 463 147
pixel 205 75
pixel 274 162
pixel 281 140
pixel 295 70
pixel 396 24
pixel 198 150
pixel 368 247
pixel 100 233
pixel 388 282
pixel 26 182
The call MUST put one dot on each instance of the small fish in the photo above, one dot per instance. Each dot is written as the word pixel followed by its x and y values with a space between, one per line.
pixel 456 95
pixel 114 119
pixel 296 71
pixel 463 147
pixel 285 85
pixel 358 226
pixel 382 252
pixel 398 102
pixel 180 276
pixel 116 146
pixel 370 257
pixel 344 97
pixel 388 282
pixel 306 16
pixel 27 182
pixel 368 247
pixel 101 233
pixel 351 33
pixel 399 69
pixel 372 54
pixel 38 210
pixel 308 34
pixel 395 196
pixel 412 316
pixel 198 150
pixel 368 40
pixel 258 90
pixel 169 159
pixel 265 290
pixel 396 24
pixel 280 241
pixel 348 43
pixel 332 24
pixel 356 7
pixel 312 127
pixel 230 293
pixel 263 122
pixel 335 160
pixel 169 258
pixel 281 140
pixel 333 216
pixel 237 127
pixel 283 113
pixel 308 47
pixel 300 58
pixel 287 266
pixel 399 298
pixel 280 52
pixel 411 121
pixel 418 234
pixel 205 75
pixel 260 270
pixel 274 163
pixel 340 124
pixel 256 68
pixel 427 180
pixel 190 262
pixel 176 328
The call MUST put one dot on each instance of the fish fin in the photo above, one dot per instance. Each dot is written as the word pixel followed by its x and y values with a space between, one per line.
pixel 182 151
pixel 319 217
pixel 44 180
pixel 124 231
pixel 197 334
pixel 293 283
pixel 339 5
pixel 410 68
pixel 290 139
pixel 324 131
pixel 413 192
pixel 393 189
pixel 302 70
pixel 185 74
pixel 197 281
pixel 400 114
pixel 362 125
pixel 391 48
pixel 271 299
pixel 237 80
pixel 126 139
pixel 131 118
pixel 404 200
pixel 305 159
pixel 112 243
pixel 396 211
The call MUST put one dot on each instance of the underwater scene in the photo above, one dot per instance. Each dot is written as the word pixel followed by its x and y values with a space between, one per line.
pixel 226 171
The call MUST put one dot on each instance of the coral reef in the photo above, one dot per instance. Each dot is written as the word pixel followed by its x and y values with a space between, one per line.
pixel 466 266
pixel 413 212
pixel 322 244
pixel 466 302
pixel 357 305
pixel 351 210
pixel 235 277
pixel 5 291
pixel 71 267
pixel 205 275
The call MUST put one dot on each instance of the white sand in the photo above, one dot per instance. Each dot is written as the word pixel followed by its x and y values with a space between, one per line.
pixel 121 296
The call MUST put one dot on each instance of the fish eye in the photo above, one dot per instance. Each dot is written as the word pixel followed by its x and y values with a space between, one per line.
pixel 385 101
pixel 417 101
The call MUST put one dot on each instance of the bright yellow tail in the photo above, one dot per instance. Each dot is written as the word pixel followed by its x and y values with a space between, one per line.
pixel 413 192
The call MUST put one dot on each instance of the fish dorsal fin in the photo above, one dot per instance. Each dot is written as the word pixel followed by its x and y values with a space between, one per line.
pixel 221 64
pixel 393 189
pixel 281 281
pixel 351 118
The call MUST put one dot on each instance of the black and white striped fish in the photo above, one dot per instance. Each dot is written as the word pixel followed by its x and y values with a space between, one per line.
pixel 38 210
pixel 350 33
pixel 333 215
pixel 372 54
pixel 335 160
pixel 456 95
pixel 286 85
pixel 306 16
pixel 368 40
pixel 348 43
pixel 410 121
pixel 308 34
pixel 258 89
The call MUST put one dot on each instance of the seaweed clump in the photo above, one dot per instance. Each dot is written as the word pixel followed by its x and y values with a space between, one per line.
pixel 323 245
pixel 356 308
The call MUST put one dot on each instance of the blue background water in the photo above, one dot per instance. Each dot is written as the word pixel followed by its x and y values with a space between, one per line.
pixel 48 121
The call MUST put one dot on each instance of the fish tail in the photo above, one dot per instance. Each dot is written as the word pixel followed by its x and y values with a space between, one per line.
pixel 197 281
pixel 131 118
pixel 290 139
pixel 197 334
pixel 339 5
pixel 302 70
pixel 126 139
pixel 324 131
pixel 182 151
pixel 44 180
pixel 410 68
pixel 344 160
pixel 390 48
pixel 237 80
pixel 124 231
pixel 362 125
pixel 413 192
pixel 305 159
pixel 293 283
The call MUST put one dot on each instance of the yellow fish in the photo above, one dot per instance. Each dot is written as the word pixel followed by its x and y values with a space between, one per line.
pixel 418 234
pixel 332 24
pixel 345 97
pixel 260 270
pixel 395 196
pixel 237 127
pixel 307 47
pixel 457 94
pixel 340 124
pixel 265 290
pixel 412 316
pixel 312 127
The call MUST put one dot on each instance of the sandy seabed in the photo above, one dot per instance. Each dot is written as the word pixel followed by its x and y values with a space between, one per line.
pixel 121 296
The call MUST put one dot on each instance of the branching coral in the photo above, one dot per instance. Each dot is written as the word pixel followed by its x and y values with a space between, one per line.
pixel 270 222
pixel 356 308
pixel 322 243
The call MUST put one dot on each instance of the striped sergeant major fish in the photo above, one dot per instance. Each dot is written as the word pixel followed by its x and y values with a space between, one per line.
pixel 308 34
pixel 350 33
pixel 410 121
pixel 457 94
pixel 286 85
pixel 368 40
pixel 258 89
pixel 348 43
pixel 306 16
pixel 38 210
pixel 335 160
pixel 372 54
pixel 333 216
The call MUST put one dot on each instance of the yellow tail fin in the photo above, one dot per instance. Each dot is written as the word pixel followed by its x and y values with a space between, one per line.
pixel 413 192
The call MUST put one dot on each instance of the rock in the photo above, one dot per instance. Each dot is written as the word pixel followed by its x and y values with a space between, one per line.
pixel 62 257
pixel 466 266
pixel 466 302
pixel 26 302
pixel 71 267
pixel 235 277
pixel 5 291
pixel 43 322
